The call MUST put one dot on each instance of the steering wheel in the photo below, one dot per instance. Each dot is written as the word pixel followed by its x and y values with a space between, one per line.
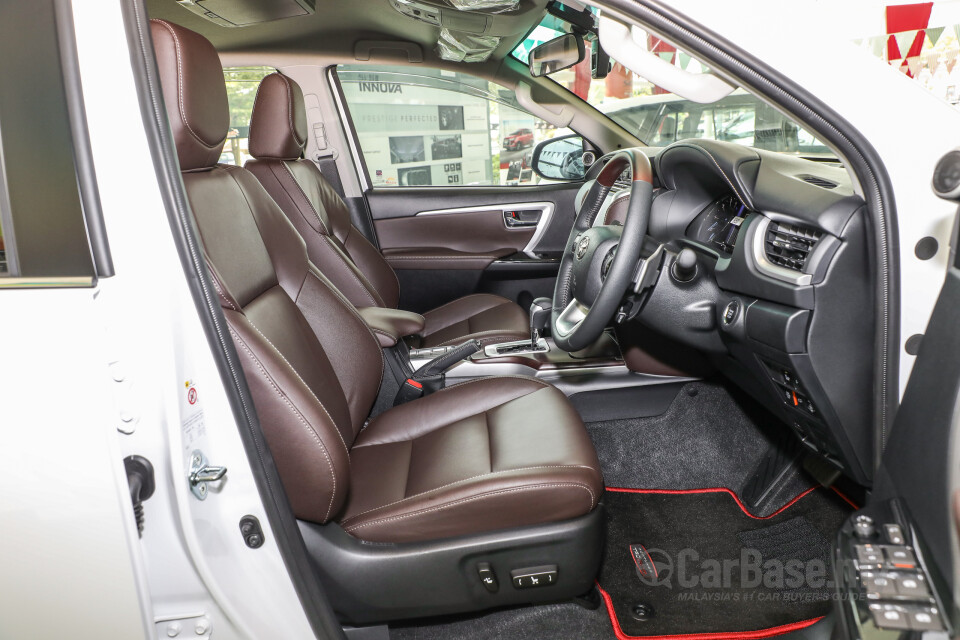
pixel 599 262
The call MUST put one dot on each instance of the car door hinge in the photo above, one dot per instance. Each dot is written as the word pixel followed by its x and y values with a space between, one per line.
pixel 196 626
pixel 202 472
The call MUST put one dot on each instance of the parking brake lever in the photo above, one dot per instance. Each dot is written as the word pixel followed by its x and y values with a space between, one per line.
pixel 429 377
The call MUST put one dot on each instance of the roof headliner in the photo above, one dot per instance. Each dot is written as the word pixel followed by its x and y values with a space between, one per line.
pixel 337 25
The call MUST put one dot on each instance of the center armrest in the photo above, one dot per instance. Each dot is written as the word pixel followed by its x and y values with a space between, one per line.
pixel 390 325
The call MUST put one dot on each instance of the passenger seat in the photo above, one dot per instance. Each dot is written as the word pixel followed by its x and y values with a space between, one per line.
pixel 278 133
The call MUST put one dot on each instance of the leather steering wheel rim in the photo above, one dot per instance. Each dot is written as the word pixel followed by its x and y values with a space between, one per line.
pixel 586 268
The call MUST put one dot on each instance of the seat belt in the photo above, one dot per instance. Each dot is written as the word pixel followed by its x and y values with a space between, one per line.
pixel 318 148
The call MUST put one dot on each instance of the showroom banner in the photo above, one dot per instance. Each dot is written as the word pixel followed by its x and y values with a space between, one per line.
pixel 437 138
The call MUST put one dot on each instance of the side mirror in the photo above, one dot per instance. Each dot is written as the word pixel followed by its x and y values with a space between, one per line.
pixel 557 54
pixel 560 158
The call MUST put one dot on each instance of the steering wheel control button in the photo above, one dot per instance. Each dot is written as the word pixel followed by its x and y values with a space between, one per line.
pixel 685 266
pixel 534 577
pixel 487 577
pixel 731 312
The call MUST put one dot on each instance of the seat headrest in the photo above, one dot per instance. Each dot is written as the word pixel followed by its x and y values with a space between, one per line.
pixel 194 91
pixel 278 126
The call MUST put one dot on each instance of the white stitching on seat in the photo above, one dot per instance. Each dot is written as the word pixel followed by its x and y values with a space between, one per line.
pixel 345 259
pixel 550 485
pixel 293 130
pixel 482 475
pixel 296 373
pixel 463 384
pixel 296 412
pixel 216 285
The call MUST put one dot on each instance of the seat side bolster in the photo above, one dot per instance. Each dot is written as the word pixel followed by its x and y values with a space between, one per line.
pixel 310 453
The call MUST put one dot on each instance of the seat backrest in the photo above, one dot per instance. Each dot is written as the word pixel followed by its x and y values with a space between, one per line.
pixel 312 364
pixel 278 133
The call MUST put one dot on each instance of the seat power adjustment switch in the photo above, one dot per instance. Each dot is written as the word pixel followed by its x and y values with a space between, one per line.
pixel 487 577
pixel 534 577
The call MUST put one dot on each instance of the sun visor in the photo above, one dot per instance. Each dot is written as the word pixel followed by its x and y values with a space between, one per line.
pixel 487 6
pixel 465 47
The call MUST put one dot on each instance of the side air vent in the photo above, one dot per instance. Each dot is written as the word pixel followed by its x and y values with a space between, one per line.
pixel 788 246
pixel 820 182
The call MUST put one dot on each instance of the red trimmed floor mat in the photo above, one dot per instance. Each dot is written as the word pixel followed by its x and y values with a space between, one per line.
pixel 708 569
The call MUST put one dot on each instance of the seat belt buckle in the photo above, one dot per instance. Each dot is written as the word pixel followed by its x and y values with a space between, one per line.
pixel 409 390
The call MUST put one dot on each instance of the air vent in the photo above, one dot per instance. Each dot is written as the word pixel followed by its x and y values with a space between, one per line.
pixel 788 246
pixel 820 182
pixel 623 181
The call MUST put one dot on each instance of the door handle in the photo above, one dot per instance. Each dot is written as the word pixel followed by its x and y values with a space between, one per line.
pixel 519 218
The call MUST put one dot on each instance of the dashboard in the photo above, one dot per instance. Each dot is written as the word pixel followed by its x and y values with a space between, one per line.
pixel 783 306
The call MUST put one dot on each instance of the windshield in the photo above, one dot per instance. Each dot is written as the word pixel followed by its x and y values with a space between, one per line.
pixel 658 117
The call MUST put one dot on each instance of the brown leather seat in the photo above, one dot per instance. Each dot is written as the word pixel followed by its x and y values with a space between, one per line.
pixel 278 133
pixel 489 454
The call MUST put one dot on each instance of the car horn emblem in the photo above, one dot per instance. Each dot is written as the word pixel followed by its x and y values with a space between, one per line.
pixel 582 245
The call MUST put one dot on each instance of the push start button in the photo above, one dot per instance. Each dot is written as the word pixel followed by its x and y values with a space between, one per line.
pixel 731 311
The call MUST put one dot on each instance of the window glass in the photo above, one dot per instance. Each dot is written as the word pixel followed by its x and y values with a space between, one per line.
pixel 43 232
pixel 242 85
pixel 432 127
pixel 658 117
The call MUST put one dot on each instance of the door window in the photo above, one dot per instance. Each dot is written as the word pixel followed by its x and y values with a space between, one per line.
pixel 433 127
pixel 242 85
pixel 43 230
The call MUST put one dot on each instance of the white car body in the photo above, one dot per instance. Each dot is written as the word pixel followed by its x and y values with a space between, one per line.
pixel 80 395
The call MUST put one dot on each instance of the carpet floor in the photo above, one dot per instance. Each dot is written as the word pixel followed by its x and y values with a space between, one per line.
pixel 696 562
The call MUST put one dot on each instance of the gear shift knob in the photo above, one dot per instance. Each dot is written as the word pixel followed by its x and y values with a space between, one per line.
pixel 539 318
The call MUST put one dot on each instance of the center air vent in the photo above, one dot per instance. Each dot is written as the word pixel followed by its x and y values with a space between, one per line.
pixel 623 181
pixel 788 246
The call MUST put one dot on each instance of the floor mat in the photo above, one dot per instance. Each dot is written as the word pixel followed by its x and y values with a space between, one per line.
pixel 711 436
pixel 709 569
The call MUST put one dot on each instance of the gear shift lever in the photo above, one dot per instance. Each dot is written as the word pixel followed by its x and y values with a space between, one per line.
pixel 539 319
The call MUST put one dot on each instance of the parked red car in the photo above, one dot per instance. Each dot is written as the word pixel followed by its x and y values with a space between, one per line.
pixel 519 139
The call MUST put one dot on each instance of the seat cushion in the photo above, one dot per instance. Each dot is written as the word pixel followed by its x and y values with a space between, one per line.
pixel 487 454
pixel 487 318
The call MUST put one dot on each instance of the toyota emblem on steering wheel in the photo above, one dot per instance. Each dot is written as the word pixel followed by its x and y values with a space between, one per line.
pixel 582 245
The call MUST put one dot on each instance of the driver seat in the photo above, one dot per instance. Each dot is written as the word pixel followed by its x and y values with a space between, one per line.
pixel 278 134
pixel 505 454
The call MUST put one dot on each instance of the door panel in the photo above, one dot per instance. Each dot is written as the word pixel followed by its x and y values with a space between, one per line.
pixel 452 237
pixel 446 243
pixel 406 203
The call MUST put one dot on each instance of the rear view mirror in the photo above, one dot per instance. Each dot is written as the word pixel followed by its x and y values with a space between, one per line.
pixel 556 55
pixel 560 158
